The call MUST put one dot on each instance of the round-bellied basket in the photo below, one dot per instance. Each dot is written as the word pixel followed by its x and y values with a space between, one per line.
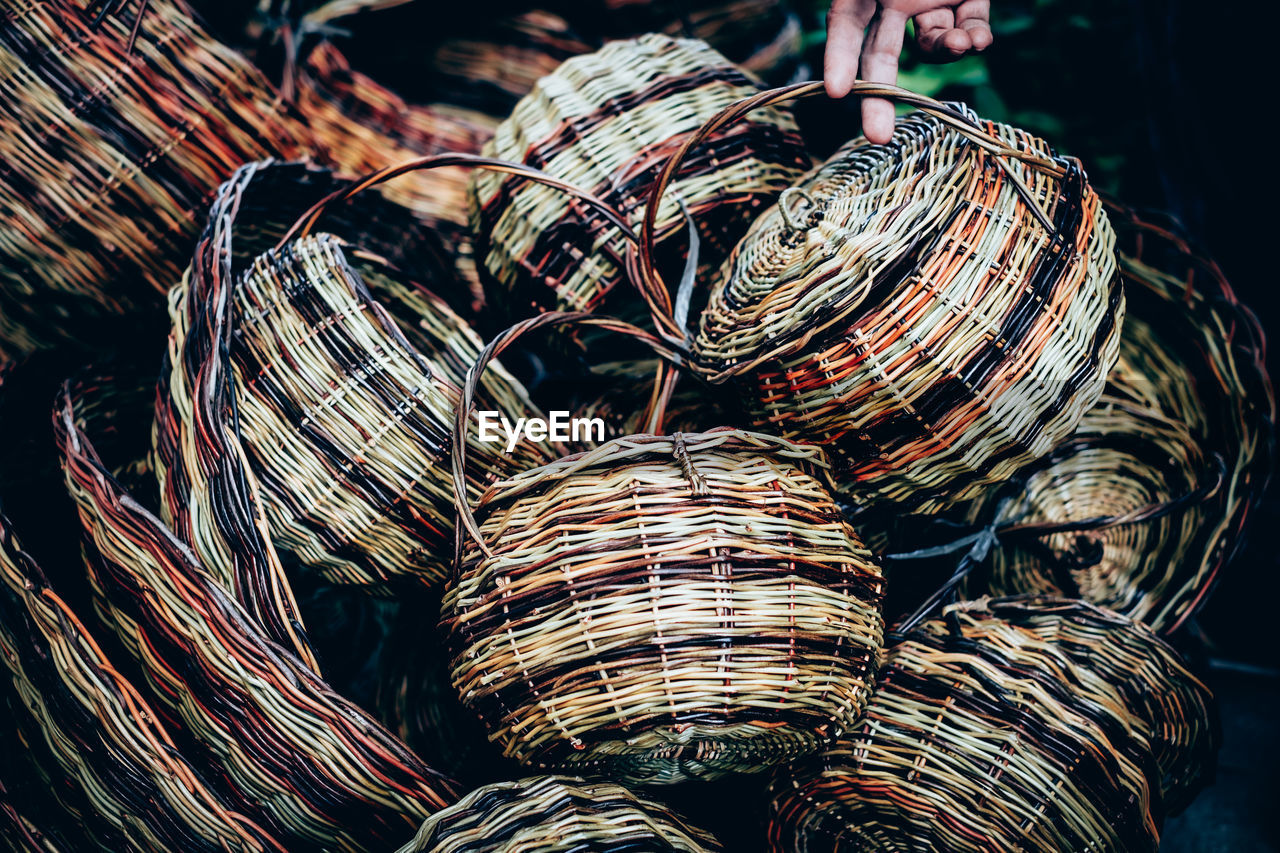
pixel 1149 674
pixel 605 122
pixel 557 814
pixel 342 416
pixel 936 312
pixel 981 736
pixel 113 142
pixel 663 607
pixel 1163 472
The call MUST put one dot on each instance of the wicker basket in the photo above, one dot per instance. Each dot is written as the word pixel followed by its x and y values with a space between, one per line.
pixel 107 760
pixel 606 122
pixel 341 423
pixel 110 151
pixel 661 607
pixel 935 312
pixel 557 814
pixel 1149 674
pixel 981 736
pixel 324 775
pixel 1151 494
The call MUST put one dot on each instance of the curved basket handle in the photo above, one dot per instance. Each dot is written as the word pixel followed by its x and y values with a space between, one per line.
pixel 308 220
pixel 458 452
pixel 642 267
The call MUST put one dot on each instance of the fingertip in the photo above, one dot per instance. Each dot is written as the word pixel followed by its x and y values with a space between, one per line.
pixel 957 42
pixel 877 120
pixel 981 38
pixel 837 84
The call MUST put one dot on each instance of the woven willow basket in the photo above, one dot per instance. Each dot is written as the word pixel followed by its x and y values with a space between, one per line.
pixel 342 419
pixel 1149 674
pixel 1168 464
pixel 935 312
pixel 662 607
pixel 981 736
pixel 316 770
pixel 97 729
pixel 557 814
pixel 360 125
pixel 109 152
pixel 605 122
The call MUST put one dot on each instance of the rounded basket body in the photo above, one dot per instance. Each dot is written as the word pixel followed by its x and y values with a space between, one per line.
pixel 981 736
pixel 347 423
pixel 663 608
pixel 1184 423
pixel 1155 683
pixel 606 122
pixel 557 814
pixel 903 307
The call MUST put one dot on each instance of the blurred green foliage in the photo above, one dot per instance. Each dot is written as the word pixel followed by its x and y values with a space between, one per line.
pixel 1053 69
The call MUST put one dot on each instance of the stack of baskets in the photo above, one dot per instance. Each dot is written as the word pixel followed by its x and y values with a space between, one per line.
pixel 936 325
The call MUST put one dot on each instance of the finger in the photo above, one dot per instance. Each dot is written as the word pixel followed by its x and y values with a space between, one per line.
pixel 880 65
pixel 846 25
pixel 931 26
pixel 974 17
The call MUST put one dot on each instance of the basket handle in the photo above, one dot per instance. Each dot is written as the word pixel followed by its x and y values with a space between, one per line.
pixel 671 356
pixel 643 269
pixel 307 221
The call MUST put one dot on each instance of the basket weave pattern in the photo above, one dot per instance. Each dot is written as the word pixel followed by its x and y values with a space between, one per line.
pixel 557 814
pixel 666 608
pixel 903 308
pixel 605 122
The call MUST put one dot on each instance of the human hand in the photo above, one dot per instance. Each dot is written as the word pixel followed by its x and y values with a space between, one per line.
pixel 947 29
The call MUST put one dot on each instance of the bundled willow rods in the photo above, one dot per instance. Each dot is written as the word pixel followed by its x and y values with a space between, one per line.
pixel 605 122
pixel 340 424
pixel 661 607
pixel 937 312
pixel 1157 483
pixel 1149 674
pixel 981 736
pixel 112 151
pixel 327 776
pixel 360 125
pixel 557 814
